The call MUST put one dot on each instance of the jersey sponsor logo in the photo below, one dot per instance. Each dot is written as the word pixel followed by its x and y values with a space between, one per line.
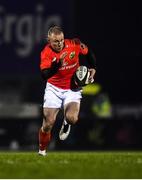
pixel 68 67
pixel 72 54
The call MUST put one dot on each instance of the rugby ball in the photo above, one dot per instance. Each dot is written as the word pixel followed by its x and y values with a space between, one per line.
pixel 81 76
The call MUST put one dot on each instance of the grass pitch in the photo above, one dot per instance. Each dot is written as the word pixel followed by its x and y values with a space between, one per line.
pixel 70 165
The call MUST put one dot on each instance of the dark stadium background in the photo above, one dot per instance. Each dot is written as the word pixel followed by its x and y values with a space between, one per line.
pixel 112 29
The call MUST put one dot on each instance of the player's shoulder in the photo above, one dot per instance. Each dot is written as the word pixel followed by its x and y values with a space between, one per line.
pixel 72 42
pixel 46 49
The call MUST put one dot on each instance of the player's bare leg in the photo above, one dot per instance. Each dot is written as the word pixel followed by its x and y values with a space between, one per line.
pixel 45 131
pixel 71 112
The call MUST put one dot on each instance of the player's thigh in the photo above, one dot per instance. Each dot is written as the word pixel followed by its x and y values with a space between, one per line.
pixel 71 111
pixel 50 114
pixel 72 96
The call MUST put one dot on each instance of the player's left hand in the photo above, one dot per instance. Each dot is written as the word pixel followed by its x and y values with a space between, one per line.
pixel 92 75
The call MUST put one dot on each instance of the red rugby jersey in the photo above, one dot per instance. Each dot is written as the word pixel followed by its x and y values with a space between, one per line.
pixel 62 78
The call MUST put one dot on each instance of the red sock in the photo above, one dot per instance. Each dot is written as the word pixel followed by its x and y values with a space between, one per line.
pixel 44 139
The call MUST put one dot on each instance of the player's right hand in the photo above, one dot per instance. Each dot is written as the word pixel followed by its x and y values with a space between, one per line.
pixel 62 57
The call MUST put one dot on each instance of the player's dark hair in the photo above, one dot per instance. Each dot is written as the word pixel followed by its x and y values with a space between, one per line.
pixel 55 29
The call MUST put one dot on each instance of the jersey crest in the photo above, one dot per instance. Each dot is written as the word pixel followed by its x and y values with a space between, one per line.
pixel 72 54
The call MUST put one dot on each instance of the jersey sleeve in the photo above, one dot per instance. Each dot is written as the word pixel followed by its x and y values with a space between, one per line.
pixel 83 49
pixel 45 60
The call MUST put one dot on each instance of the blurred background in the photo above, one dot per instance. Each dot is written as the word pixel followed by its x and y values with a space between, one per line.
pixel 111 109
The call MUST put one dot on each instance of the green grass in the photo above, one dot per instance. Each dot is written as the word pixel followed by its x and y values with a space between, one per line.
pixel 70 165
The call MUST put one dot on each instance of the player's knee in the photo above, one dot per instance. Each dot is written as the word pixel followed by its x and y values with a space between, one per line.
pixel 71 118
pixel 47 126
pixel 48 123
